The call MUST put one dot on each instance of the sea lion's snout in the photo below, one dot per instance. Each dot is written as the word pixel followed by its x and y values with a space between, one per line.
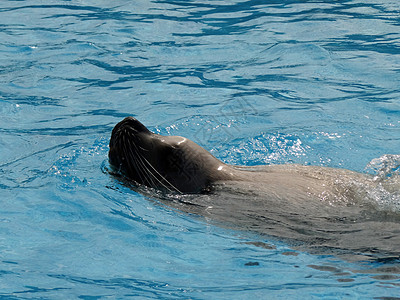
pixel 130 123
pixel 126 140
pixel 127 127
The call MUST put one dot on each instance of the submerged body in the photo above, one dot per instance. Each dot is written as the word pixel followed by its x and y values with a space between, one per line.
pixel 324 207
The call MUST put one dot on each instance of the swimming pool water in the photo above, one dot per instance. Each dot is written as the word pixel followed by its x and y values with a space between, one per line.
pixel 254 82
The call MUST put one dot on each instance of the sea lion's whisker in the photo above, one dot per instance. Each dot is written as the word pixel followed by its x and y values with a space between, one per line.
pixel 143 149
pixel 140 168
pixel 161 176
pixel 141 157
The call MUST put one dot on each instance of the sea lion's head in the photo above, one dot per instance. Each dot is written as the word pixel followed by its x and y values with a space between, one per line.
pixel 168 163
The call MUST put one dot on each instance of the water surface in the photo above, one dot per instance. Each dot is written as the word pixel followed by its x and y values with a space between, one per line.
pixel 254 82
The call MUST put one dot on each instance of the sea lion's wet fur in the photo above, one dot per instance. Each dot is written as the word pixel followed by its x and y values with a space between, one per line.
pixel 169 163
pixel 323 207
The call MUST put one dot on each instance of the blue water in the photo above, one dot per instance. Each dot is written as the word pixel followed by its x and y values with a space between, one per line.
pixel 254 82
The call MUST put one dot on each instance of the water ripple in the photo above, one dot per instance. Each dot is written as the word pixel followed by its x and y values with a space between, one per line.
pixel 253 81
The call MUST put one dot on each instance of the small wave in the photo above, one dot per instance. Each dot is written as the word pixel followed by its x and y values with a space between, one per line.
pixel 384 167
pixel 386 172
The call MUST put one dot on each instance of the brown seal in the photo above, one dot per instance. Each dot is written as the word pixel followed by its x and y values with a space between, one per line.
pixel 177 164
pixel 323 207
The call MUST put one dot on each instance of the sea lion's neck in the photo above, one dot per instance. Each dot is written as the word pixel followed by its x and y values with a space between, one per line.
pixel 224 172
pixel 212 167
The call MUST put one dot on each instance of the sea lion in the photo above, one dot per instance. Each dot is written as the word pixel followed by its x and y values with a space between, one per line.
pixel 321 206
pixel 177 164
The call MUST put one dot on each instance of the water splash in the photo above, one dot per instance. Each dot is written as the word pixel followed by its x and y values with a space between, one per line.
pixel 386 172
pixel 384 167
